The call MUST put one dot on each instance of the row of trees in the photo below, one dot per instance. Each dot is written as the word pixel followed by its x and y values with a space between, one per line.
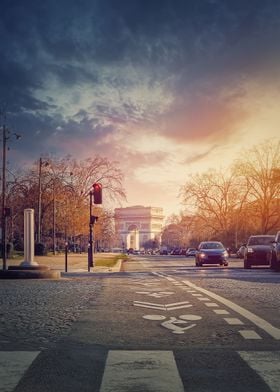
pixel 59 189
pixel 229 205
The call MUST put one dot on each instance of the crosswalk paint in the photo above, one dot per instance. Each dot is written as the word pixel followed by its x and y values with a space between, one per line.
pixel 13 364
pixel 141 370
pixel 266 364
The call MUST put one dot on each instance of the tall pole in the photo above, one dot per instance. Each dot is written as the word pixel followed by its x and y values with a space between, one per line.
pixel 54 223
pixel 39 201
pixel 90 248
pixel 4 250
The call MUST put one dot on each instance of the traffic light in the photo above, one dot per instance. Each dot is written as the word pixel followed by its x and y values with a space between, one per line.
pixel 97 193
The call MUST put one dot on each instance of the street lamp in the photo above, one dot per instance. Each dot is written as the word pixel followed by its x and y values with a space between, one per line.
pixel 5 210
pixel 41 163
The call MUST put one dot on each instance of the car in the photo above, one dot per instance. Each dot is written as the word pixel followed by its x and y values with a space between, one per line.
pixel 190 252
pixel 176 252
pixel 211 252
pixel 275 255
pixel 241 251
pixel 258 250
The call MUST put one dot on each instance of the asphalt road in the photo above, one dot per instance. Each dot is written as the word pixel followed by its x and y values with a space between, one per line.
pixel 161 325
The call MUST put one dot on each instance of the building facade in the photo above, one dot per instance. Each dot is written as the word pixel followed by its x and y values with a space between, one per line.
pixel 137 224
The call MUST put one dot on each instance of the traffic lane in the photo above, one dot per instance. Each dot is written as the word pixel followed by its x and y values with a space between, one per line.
pixel 154 312
pixel 258 295
pixel 149 262
pixel 257 289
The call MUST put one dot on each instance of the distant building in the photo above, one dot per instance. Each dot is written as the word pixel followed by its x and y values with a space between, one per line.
pixel 138 224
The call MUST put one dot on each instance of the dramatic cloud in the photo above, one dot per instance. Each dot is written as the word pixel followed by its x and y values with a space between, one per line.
pixel 164 87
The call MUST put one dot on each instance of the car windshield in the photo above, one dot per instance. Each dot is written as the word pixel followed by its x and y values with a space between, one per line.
pixel 211 245
pixel 261 240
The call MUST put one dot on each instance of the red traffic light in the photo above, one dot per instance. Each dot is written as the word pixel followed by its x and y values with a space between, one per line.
pixel 97 193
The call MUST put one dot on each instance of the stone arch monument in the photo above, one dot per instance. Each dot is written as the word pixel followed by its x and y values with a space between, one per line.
pixel 137 224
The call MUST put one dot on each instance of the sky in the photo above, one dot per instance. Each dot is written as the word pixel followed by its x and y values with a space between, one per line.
pixel 167 88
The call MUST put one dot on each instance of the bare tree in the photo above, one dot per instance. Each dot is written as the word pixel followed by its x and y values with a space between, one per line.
pixel 260 168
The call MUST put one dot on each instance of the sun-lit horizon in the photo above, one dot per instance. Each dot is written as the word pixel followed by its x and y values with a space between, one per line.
pixel 164 92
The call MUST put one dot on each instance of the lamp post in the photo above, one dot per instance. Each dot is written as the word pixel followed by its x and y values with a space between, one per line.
pixel 5 210
pixel 4 250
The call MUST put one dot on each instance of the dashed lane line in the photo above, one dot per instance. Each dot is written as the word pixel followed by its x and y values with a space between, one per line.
pixel 249 334
pixel 258 321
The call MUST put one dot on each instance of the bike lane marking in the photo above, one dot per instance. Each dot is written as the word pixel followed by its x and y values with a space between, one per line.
pixel 258 321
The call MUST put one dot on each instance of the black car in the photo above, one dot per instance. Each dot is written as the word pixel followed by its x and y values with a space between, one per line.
pixel 275 257
pixel 258 250
pixel 211 252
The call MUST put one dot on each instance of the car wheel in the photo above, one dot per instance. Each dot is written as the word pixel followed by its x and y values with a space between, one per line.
pixel 225 264
pixel 247 265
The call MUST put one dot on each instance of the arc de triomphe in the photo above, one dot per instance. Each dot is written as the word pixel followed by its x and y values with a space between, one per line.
pixel 138 224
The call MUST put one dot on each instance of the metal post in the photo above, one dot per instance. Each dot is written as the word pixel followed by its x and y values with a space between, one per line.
pixel 39 201
pixel 90 248
pixel 66 256
pixel 54 222
pixel 4 246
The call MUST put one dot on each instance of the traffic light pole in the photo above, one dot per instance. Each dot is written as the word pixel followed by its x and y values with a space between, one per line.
pixel 90 247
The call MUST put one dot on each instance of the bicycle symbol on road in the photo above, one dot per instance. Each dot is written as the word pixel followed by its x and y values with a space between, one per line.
pixel 174 323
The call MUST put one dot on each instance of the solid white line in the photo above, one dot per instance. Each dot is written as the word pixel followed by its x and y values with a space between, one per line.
pixel 266 364
pixel 177 303
pixel 261 323
pixel 179 307
pixel 247 334
pixel 150 306
pixel 141 370
pixel 13 365
pixel 147 303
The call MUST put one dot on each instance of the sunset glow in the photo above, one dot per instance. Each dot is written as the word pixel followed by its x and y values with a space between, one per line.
pixel 167 89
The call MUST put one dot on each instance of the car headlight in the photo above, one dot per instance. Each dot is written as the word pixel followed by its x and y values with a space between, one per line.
pixel 225 253
pixel 202 255
pixel 250 250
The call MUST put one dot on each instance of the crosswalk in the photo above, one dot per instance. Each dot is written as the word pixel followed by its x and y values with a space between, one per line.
pixel 149 370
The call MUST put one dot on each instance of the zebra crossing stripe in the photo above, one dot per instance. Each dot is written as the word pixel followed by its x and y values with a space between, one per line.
pixel 141 370
pixel 266 364
pixel 13 365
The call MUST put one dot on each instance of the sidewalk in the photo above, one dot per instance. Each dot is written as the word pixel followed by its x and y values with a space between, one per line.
pixel 76 263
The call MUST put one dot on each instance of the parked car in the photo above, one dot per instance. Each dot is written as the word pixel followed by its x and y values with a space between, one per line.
pixel 176 252
pixel 211 252
pixel 275 256
pixel 190 252
pixel 241 251
pixel 258 250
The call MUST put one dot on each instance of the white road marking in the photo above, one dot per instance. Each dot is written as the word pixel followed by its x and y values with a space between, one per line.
pixel 212 305
pixel 258 321
pixel 141 370
pixel 233 321
pixel 13 365
pixel 266 364
pixel 173 306
pixel 158 294
pixel 248 334
pixel 197 295
pixel 203 299
pixel 220 311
